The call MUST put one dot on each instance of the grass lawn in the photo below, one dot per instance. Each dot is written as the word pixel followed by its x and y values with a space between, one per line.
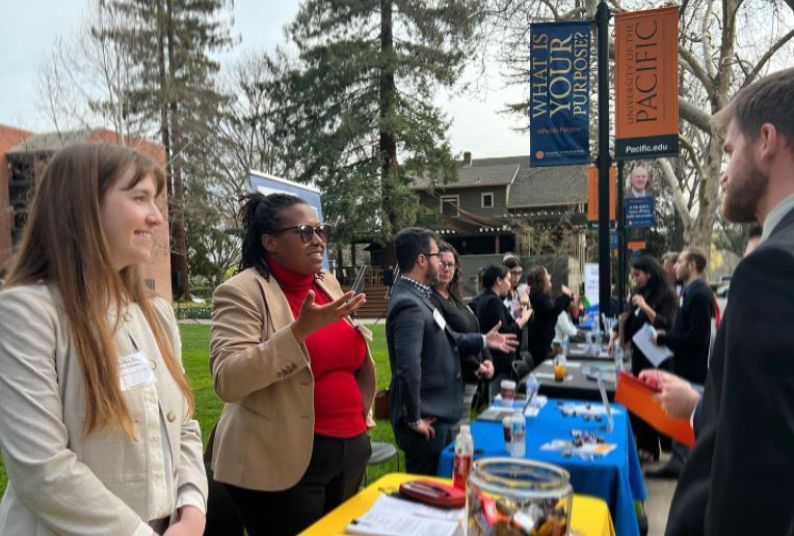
pixel 195 354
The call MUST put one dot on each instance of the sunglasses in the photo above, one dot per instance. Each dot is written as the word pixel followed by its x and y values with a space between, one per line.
pixel 307 232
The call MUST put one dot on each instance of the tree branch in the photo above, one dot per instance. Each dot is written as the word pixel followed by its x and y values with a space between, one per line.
pixel 768 55
pixel 694 115
pixel 678 196
pixel 696 68
pixel 693 157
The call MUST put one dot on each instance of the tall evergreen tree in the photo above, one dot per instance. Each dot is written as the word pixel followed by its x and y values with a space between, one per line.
pixel 360 103
pixel 172 42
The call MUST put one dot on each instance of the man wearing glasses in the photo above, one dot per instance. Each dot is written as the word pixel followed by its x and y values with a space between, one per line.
pixel 426 386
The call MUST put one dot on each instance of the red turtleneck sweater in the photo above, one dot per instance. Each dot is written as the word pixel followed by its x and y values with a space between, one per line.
pixel 336 352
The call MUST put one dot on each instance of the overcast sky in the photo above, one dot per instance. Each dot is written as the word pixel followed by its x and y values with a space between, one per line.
pixel 29 29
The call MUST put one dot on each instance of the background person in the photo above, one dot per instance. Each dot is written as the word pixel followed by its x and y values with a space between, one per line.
pixel 491 311
pixel 446 297
pixel 295 374
pixel 546 310
pixel 653 301
pixel 95 410
pixel 426 384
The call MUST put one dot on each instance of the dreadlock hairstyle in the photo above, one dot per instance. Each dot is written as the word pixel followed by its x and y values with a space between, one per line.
pixel 261 215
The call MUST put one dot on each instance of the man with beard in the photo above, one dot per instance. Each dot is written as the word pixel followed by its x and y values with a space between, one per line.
pixel 426 385
pixel 690 337
pixel 739 477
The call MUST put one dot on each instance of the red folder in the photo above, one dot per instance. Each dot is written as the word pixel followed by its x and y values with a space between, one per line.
pixel 638 399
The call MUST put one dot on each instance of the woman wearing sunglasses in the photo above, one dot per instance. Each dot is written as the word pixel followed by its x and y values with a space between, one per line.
pixel 95 410
pixel 295 373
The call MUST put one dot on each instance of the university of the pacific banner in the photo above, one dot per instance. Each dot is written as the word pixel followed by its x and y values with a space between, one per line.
pixel 559 93
pixel 646 84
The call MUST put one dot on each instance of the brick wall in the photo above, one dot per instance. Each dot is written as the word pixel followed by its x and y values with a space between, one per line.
pixel 9 137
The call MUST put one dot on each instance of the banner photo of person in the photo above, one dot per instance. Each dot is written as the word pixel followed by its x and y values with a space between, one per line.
pixel 559 90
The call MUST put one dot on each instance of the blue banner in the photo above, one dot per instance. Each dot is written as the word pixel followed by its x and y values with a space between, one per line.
pixel 640 212
pixel 559 93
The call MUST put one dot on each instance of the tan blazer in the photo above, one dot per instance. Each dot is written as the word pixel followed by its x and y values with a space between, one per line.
pixel 60 481
pixel 265 435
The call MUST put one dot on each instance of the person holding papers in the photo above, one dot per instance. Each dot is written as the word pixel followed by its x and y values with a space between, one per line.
pixel 95 409
pixel 426 384
pixel 652 302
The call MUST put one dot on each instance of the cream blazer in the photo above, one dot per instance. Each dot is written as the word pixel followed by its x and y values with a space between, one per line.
pixel 61 482
pixel 265 435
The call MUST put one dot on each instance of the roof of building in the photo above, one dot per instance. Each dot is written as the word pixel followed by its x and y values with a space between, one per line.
pixel 50 141
pixel 529 187
pixel 480 172
pixel 548 186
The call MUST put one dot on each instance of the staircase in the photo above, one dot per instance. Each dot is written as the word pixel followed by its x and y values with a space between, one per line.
pixel 376 301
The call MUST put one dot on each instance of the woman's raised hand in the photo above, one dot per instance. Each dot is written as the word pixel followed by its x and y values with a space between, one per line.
pixel 312 317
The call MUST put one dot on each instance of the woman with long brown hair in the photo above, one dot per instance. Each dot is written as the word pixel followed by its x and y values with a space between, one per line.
pixel 95 409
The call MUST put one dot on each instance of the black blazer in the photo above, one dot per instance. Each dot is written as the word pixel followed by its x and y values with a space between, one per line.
pixel 541 329
pixel 490 310
pixel 689 340
pixel 739 477
pixel 426 376
pixel 462 320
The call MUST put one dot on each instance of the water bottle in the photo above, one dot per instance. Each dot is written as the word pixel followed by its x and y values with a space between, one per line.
pixel 518 432
pixel 618 358
pixel 464 450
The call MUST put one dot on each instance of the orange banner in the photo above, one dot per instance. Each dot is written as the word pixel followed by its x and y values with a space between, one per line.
pixel 592 192
pixel 646 83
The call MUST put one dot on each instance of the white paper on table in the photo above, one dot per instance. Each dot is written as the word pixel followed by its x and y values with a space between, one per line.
pixel 390 516
pixel 655 354
pixel 568 364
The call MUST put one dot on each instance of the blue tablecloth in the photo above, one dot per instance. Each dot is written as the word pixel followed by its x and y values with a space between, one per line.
pixel 616 477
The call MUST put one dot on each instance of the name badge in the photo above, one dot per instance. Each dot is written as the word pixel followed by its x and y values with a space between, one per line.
pixel 134 371
pixel 439 318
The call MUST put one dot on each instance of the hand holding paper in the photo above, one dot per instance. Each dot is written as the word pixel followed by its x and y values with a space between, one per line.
pixel 645 340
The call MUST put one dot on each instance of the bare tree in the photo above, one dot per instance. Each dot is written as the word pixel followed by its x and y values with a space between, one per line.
pixel 248 135
pixel 724 45
pixel 85 80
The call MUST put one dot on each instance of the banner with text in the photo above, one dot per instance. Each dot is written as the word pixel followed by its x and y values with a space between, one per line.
pixel 559 93
pixel 646 84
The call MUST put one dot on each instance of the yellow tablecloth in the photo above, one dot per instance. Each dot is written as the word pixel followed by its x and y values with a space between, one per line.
pixel 590 516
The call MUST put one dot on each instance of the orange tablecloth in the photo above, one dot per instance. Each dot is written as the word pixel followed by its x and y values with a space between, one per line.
pixel 590 516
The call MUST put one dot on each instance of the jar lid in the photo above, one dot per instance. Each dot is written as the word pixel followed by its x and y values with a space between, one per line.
pixel 520 478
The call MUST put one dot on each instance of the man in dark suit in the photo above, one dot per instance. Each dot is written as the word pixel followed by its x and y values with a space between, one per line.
pixel 426 385
pixel 739 478
pixel 691 334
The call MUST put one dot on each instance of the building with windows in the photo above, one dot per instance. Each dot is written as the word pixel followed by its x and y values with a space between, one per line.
pixel 23 156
